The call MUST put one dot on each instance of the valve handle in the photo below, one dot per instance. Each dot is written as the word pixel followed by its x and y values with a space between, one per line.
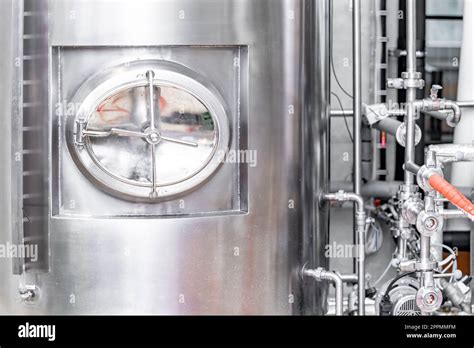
pixel 434 91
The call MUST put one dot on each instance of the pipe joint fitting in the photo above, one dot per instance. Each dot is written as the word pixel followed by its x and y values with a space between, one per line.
pixel 423 177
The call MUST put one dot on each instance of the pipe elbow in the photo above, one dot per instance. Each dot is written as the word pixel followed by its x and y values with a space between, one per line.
pixel 453 120
pixel 333 277
pixel 358 200
pixel 320 274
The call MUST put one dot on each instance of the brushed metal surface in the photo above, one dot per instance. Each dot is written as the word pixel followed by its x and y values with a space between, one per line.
pixel 220 264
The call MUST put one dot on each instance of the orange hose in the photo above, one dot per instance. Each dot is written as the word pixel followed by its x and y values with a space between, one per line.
pixel 452 194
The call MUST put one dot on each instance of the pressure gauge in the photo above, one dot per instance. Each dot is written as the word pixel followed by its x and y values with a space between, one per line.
pixel 147 131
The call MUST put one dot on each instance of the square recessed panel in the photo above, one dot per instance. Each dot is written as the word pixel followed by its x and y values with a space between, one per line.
pixel 104 146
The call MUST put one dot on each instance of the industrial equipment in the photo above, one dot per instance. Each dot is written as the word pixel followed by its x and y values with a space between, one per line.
pixel 175 157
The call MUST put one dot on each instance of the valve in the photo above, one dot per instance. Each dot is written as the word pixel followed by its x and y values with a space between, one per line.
pixel 429 299
pixel 434 91
pixel 429 223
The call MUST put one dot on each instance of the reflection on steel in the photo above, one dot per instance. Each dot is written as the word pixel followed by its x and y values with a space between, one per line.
pixel 219 238
pixel 147 128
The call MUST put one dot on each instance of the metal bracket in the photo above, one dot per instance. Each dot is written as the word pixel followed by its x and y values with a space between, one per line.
pixel 81 125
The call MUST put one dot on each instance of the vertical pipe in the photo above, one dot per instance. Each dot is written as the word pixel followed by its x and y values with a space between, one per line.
pixel 410 123
pixel 410 120
pixel 402 248
pixel 357 91
pixel 402 67
pixel 420 63
pixel 360 217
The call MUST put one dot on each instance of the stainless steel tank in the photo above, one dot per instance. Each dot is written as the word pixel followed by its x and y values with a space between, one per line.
pixel 164 157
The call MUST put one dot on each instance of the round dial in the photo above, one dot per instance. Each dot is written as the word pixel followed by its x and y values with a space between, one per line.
pixel 149 133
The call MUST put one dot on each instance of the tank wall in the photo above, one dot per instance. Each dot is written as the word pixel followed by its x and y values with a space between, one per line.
pixel 6 65
pixel 239 261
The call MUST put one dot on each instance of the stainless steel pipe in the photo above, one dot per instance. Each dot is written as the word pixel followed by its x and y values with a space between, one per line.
pixel 360 233
pixel 357 123
pixel 379 189
pixel 342 113
pixel 388 125
pixel 321 274
pixel 411 73
pixel 465 104
pixel 357 91
pixel 461 104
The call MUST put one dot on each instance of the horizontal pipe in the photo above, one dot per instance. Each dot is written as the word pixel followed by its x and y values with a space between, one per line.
pixel 412 167
pixel 465 104
pixel 347 197
pixel 385 189
pixel 379 189
pixel 449 153
pixel 341 113
pixel 442 116
pixel 453 214
pixel 349 278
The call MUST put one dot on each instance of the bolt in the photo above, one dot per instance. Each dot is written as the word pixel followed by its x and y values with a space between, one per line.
pixel 154 137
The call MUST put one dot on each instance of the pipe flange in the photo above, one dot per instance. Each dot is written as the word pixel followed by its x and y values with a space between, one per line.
pixel 411 75
pixel 429 299
pixel 401 135
pixel 413 80
pixel 426 266
pixel 423 177
pixel 429 223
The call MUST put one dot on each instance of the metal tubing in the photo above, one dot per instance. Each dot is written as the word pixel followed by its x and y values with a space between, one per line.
pixel 360 240
pixel 320 275
pixel 379 189
pixel 402 248
pixel 465 104
pixel 425 248
pixel 357 91
pixel 453 214
pixel 341 113
pixel 412 167
pixel 434 109
pixel 450 105
pixel 410 120
pixel 388 125
pixel 411 36
pixel 449 153
pixel 349 278
pixel 347 197
pixel 442 116
pixel 357 119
